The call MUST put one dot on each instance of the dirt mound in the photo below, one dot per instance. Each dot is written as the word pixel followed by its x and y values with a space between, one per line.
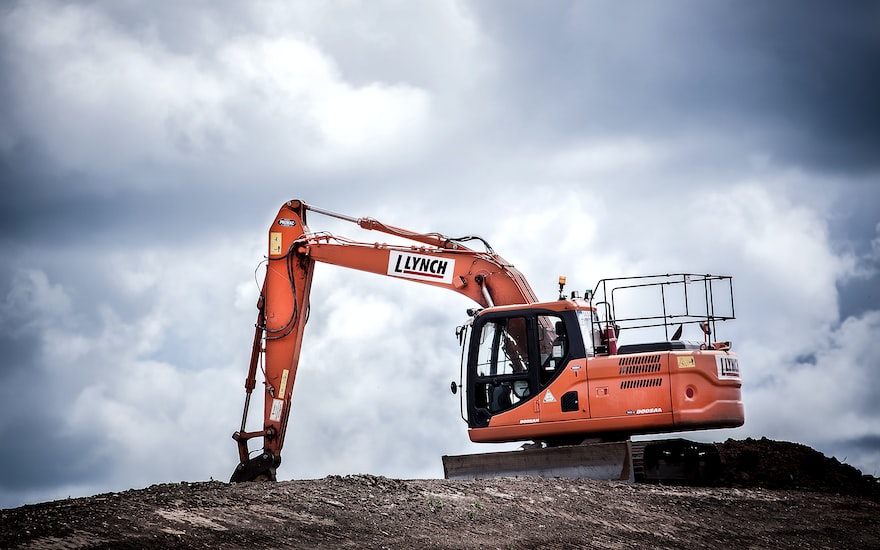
pixel 782 465
pixel 375 512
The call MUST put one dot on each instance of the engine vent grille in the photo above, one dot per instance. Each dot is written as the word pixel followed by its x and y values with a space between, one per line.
pixel 641 383
pixel 639 364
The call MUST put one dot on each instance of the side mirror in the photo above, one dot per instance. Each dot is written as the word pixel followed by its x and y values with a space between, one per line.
pixel 453 387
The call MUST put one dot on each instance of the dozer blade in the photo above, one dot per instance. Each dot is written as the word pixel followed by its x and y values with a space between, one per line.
pixel 261 468
pixel 607 461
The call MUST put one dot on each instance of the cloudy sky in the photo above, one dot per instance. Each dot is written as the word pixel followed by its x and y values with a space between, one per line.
pixel 145 147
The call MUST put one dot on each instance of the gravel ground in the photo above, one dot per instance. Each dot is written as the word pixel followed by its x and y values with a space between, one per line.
pixel 773 495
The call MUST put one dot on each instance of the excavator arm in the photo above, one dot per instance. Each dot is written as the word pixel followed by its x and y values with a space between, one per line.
pixel 283 306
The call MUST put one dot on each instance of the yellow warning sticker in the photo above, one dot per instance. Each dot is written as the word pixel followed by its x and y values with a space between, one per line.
pixel 275 242
pixel 283 383
pixel 686 362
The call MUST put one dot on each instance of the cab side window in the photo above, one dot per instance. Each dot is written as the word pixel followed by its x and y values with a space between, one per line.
pixel 552 345
pixel 503 364
pixel 503 347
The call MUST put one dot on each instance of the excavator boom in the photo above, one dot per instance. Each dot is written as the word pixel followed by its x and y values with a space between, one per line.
pixel 441 261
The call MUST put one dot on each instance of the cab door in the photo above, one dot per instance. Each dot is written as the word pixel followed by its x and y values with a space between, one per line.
pixel 513 359
pixel 499 373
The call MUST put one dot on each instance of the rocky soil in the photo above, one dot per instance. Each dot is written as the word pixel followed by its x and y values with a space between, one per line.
pixel 771 495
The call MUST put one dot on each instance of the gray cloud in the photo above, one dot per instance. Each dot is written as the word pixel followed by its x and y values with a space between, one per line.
pixel 791 78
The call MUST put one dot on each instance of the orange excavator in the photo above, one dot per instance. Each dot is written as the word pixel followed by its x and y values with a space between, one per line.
pixel 550 372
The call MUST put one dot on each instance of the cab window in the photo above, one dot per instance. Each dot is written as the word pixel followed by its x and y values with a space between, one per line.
pixel 515 357
pixel 503 347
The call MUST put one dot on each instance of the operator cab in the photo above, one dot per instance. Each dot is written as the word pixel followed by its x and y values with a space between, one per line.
pixel 551 370
pixel 510 354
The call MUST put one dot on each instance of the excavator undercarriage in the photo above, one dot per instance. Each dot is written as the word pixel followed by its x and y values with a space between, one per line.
pixel 675 461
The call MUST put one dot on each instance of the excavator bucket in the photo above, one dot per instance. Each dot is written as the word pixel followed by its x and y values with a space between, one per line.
pixel 261 468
